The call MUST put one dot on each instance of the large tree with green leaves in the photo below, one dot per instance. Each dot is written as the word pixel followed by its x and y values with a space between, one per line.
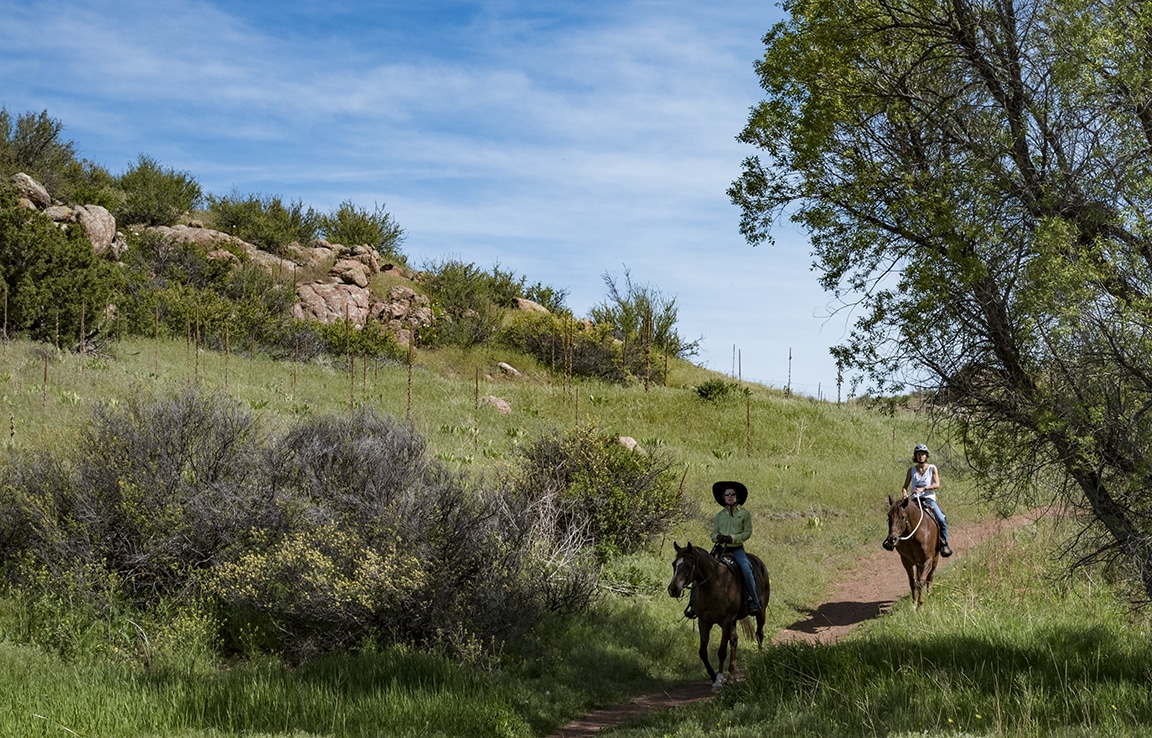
pixel 976 180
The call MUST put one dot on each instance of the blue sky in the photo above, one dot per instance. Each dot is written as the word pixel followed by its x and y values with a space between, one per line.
pixel 560 139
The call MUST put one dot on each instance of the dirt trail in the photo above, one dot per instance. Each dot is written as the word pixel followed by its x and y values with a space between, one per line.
pixel 865 592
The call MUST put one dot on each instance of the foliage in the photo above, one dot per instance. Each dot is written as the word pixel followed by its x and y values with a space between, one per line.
pixel 718 390
pixel 342 338
pixel 33 144
pixel 154 195
pixel 576 349
pixel 338 531
pixel 469 302
pixel 265 221
pixel 354 226
pixel 623 498
pixel 986 196
pixel 549 297
pixel 172 287
pixel 641 317
pixel 53 283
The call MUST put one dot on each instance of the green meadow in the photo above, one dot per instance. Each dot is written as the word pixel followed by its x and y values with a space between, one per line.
pixel 1008 642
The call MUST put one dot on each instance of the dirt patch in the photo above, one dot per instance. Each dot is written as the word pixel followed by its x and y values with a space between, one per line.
pixel 862 593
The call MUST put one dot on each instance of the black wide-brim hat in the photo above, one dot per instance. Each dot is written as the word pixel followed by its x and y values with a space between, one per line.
pixel 719 487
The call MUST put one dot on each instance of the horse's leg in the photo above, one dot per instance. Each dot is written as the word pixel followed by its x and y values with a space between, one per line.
pixel 705 632
pixel 930 567
pixel 910 568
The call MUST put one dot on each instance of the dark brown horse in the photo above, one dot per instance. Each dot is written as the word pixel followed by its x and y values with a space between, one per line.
pixel 717 600
pixel 913 532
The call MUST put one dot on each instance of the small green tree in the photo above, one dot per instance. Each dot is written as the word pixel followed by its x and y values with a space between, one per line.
pixel 154 195
pixel 52 279
pixel 265 221
pixel 33 143
pixel 639 314
pixel 354 226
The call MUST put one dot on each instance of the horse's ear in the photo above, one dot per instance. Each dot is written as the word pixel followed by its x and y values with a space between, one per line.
pixel 676 546
pixel 890 501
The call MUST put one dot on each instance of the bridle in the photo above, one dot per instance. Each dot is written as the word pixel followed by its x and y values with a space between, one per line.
pixel 920 504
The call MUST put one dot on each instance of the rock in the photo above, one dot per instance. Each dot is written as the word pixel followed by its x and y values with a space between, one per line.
pixel 100 226
pixel 501 406
pixel 631 444
pixel 350 271
pixel 59 213
pixel 508 369
pixel 31 189
pixel 332 302
pixel 527 305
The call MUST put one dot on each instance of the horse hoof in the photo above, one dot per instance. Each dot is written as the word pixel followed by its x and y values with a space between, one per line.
pixel 719 681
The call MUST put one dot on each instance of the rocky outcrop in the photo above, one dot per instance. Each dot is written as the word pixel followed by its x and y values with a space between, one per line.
pixel 97 222
pixel 341 293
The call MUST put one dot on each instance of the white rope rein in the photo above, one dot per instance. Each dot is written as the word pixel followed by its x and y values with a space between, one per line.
pixel 920 503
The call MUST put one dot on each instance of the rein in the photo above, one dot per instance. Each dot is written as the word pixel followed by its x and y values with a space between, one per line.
pixel 920 503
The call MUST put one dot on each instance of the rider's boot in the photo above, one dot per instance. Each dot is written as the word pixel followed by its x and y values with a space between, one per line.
pixel 945 549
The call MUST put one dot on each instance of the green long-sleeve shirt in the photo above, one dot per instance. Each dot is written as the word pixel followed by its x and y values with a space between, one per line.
pixel 737 524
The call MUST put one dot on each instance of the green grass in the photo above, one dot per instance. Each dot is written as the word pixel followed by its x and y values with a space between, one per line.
pixel 819 475
pixel 1007 644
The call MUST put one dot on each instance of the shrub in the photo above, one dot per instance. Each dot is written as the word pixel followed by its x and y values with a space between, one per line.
pixel 338 532
pixel 265 221
pixel 53 280
pixel 641 315
pixel 351 226
pixel 33 144
pixel 549 297
pixel 175 287
pixel 155 196
pixel 624 498
pixel 717 390
pixel 372 339
pixel 569 347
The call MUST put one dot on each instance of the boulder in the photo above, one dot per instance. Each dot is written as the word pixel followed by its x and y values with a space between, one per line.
pixel 527 305
pixel 508 369
pixel 329 302
pixel 59 213
pixel 32 190
pixel 501 406
pixel 99 225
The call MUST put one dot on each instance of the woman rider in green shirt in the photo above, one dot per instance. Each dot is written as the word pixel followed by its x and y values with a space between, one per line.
pixel 731 527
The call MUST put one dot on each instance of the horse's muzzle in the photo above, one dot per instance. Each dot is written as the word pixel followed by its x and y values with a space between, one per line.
pixel 889 543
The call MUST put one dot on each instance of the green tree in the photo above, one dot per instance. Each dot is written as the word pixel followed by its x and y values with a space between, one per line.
pixel 154 195
pixel 976 180
pixel 53 283
pixel 642 315
pixel 354 226
pixel 33 143
pixel 265 221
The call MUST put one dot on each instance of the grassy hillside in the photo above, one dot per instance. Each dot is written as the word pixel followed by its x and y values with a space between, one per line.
pixel 819 475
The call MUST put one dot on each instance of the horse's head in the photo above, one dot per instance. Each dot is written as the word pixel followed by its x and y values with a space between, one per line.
pixel 683 569
pixel 897 521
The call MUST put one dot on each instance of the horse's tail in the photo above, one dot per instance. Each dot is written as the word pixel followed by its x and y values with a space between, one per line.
pixel 748 628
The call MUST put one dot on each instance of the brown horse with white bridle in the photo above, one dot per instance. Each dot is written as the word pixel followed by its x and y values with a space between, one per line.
pixel 914 532
pixel 717 598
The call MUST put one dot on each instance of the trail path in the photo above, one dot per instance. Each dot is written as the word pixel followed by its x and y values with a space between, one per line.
pixel 862 593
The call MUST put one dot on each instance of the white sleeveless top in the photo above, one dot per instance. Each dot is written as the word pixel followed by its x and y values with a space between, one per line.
pixel 920 481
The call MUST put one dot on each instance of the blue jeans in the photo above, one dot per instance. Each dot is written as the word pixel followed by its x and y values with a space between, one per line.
pixel 930 504
pixel 746 568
